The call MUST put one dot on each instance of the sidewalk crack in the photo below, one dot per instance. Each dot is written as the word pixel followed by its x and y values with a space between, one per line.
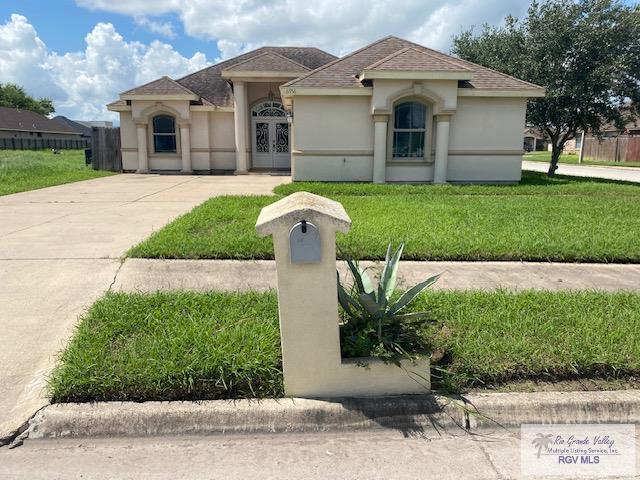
pixel 493 465
pixel 115 275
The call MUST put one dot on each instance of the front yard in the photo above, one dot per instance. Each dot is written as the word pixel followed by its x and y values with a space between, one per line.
pixel 561 219
pixel 22 170
pixel 170 346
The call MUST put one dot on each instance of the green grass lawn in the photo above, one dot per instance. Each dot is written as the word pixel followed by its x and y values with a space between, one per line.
pixel 22 170
pixel 573 159
pixel 169 346
pixel 560 219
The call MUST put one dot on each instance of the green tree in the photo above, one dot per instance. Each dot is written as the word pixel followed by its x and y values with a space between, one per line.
pixel 14 96
pixel 586 53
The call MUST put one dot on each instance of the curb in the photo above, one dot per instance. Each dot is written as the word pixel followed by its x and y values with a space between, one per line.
pixel 515 409
pixel 412 414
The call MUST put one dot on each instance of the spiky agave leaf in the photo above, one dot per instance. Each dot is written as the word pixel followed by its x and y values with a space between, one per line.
pixel 408 296
pixel 392 272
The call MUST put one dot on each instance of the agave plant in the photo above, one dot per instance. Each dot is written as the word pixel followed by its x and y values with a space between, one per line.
pixel 375 322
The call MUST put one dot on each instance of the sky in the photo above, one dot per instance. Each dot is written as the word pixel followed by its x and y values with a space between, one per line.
pixel 83 53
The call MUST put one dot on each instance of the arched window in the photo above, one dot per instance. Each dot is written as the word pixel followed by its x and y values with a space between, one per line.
pixel 409 130
pixel 164 134
pixel 268 109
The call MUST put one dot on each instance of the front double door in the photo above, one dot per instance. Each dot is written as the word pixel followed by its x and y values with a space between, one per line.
pixel 270 143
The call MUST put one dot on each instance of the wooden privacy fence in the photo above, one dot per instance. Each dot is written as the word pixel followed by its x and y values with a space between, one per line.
pixel 38 143
pixel 105 149
pixel 613 149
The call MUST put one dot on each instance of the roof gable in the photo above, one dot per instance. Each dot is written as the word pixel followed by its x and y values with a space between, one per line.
pixel 213 88
pixel 410 58
pixel 268 61
pixel 162 86
pixel 343 72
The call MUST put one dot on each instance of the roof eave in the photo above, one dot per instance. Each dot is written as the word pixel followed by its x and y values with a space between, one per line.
pixel 259 74
pixel 159 96
pixel 287 91
pixel 57 132
pixel 502 92
pixel 416 74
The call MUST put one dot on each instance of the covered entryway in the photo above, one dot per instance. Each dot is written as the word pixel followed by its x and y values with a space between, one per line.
pixel 270 136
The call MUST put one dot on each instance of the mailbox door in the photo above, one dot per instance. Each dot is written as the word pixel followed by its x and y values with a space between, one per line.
pixel 304 243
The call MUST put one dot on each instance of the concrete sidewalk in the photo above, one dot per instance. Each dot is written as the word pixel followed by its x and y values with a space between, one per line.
pixel 60 249
pixel 146 275
pixel 626 174
pixel 370 455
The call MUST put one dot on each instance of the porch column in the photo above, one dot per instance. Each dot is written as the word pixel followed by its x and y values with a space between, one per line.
pixel 380 148
pixel 442 149
pixel 143 160
pixel 240 125
pixel 185 145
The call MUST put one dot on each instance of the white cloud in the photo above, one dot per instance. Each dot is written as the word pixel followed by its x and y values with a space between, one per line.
pixel 161 28
pixel 82 83
pixel 335 25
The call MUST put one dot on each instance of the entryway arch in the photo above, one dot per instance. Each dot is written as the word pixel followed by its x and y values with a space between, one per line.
pixel 270 146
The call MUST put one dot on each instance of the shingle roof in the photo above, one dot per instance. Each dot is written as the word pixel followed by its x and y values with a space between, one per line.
pixel 410 58
pixel 342 73
pixel 73 125
pixel 25 120
pixel 162 86
pixel 270 62
pixel 209 84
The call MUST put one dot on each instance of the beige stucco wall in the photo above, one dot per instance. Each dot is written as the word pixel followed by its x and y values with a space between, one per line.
pixel 222 142
pixel 332 138
pixel 444 92
pixel 128 142
pixel 333 135
pixel 199 133
pixel 485 143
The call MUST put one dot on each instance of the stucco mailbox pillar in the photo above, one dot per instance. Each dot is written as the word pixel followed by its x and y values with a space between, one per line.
pixel 304 226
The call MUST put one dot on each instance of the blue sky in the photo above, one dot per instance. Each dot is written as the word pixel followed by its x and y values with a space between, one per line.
pixel 83 53
pixel 62 25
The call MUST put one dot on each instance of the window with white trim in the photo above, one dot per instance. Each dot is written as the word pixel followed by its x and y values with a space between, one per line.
pixel 409 130
pixel 164 134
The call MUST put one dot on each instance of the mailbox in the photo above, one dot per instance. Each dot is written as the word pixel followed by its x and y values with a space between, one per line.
pixel 304 243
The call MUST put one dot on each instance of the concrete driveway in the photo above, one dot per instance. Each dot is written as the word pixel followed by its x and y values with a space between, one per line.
pixel 60 249
pixel 627 174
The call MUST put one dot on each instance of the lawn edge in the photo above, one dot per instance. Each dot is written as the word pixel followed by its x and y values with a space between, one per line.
pixel 410 414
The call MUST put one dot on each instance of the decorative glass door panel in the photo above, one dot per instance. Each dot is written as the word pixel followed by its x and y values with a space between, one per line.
pixel 262 137
pixel 281 155
pixel 270 137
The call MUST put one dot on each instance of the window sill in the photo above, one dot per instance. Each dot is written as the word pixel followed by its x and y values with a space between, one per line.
pixel 420 163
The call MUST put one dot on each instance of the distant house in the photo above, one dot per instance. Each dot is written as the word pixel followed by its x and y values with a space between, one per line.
pixel 535 140
pixel 80 127
pixel 95 123
pixel 26 130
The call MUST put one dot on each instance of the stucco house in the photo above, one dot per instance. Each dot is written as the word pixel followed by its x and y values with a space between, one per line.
pixel 391 111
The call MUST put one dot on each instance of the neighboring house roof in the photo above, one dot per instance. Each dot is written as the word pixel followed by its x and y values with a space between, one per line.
pixel 161 86
pixel 410 58
pixel 28 121
pixel 268 61
pixel 342 73
pixel 76 126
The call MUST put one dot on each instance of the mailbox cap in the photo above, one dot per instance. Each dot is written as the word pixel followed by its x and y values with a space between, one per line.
pixel 299 206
